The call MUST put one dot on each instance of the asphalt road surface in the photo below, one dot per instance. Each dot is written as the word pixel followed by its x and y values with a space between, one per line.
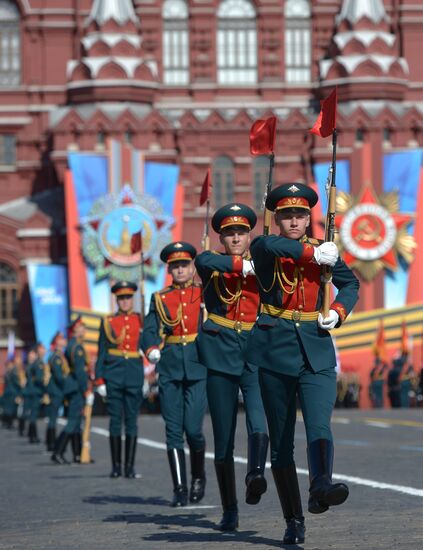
pixel 378 453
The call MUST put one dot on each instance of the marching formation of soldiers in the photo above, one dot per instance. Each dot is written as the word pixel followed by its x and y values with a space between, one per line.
pixel 254 325
pixel 399 383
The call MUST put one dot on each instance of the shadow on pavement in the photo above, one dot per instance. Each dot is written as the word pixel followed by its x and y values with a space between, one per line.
pixel 118 499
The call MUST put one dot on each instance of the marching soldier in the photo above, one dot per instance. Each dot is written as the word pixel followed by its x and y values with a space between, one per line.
pixel 394 382
pixel 59 370
pixel 36 373
pixel 232 300
pixel 377 383
pixel 293 349
pixel 10 395
pixel 120 375
pixel 171 328
pixel 76 385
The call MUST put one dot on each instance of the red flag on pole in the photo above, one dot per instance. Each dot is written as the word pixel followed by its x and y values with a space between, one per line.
pixel 136 242
pixel 262 136
pixel 379 346
pixel 205 190
pixel 326 121
pixel 404 339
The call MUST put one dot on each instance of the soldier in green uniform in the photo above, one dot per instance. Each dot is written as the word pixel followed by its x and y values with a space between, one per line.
pixel 59 369
pixel 171 328
pixel 76 385
pixel 27 391
pixel 232 301
pixel 293 349
pixel 36 374
pixel 377 383
pixel 10 395
pixel 120 375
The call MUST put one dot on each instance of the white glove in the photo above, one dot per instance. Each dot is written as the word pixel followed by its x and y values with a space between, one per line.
pixel 154 356
pixel 326 254
pixel 89 400
pixel 102 390
pixel 329 322
pixel 247 267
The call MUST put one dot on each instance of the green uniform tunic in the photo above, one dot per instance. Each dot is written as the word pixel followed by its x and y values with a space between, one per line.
pixel 76 384
pixel 172 325
pixel 59 369
pixel 232 300
pixel 121 368
pixel 36 373
pixel 287 345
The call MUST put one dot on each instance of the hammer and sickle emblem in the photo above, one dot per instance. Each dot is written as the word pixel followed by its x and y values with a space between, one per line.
pixel 369 230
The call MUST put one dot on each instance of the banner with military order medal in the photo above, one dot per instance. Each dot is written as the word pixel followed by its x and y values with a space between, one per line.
pixel 117 208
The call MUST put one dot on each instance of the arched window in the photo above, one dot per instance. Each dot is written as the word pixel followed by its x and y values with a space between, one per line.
pixel 10 45
pixel 260 179
pixel 175 43
pixel 223 181
pixel 8 299
pixel 297 41
pixel 236 43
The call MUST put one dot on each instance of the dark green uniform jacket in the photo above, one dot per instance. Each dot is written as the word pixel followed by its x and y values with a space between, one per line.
pixel 172 325
pixel 119 361
pixel 77 381
pixel 230 296
pixel 290 280
pixel 36 373
pixel 59 370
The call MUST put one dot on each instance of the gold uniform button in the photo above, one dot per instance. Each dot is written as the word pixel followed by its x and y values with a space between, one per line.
pixel 300 306
pixel 301 269
pixel 127 346
pixel 184 304
pixel 183 292
pixel 185 330
pixel 242 314
pixel 185 316
pixel 243 298
pixel 126 318
pixel 244 282
pixel 127 336
pixel 127 326
pixel 297 324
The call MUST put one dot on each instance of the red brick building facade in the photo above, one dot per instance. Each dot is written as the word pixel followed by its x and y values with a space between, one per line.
pixel 183 81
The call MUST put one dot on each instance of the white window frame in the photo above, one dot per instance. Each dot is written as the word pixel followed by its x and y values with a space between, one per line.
pixel 175 43
pixel 297 41
pixel 10 45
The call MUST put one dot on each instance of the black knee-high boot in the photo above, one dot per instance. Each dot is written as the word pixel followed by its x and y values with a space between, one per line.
pixel 225 472
pixel 198 474
pixel 130 451
pixel 286 482
pixel 116 454
pixel 255 480
pixel 60 448
pixel 179 476
pixel 323 493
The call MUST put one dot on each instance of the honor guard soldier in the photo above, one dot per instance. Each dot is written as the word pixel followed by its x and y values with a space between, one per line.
pixel 232 301
pixel 293 349
pixel 59 370
pixel 171 328
pixel 36 373
pixel 377 383
pixel 75 388
pixel 10 395
pixel 120 375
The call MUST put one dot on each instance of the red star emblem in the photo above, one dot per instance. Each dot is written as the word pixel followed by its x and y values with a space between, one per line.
pixel 368 231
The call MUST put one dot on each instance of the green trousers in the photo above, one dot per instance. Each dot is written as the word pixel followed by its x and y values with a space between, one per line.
pixel 317 393
pixel 183 404
pixel 123 406
pixel 222 394
pixel 75 411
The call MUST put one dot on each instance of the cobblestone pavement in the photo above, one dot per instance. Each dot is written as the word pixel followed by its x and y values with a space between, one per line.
pixel 379 453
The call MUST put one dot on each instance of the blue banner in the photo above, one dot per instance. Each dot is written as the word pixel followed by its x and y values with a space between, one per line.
pixel 48 289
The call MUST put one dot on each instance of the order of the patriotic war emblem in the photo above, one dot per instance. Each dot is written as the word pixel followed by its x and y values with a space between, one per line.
pixel 117 228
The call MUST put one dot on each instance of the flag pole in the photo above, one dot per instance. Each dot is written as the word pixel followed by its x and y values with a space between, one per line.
pixel 142 286
pixel 330 226
pixel 267 221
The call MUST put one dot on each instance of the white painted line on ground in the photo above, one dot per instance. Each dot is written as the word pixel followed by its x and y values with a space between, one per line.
pixel 340 420
pixel 240 460
pixel 377 424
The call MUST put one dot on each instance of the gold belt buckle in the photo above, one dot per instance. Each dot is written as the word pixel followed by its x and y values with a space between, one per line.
pixel 238 326
pixel 296 315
